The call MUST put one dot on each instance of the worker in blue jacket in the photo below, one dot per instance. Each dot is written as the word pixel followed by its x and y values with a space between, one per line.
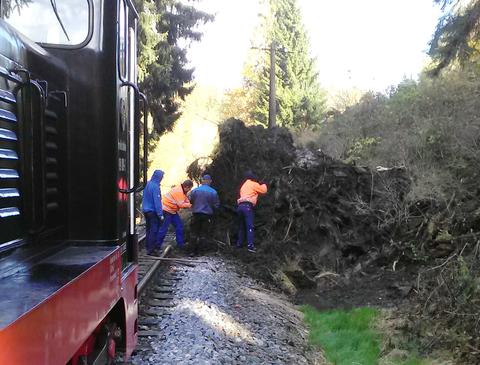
pixel 204 201
pixel 153 211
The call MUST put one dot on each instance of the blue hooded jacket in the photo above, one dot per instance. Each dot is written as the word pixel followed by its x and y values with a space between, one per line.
pixel 152 196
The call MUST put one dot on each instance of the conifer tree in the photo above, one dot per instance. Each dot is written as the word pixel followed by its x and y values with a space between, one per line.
pixel 166 27
pixel 456 35
pixel 300 101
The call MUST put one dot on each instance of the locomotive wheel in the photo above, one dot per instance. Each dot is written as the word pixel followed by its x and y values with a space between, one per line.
pixel 104 353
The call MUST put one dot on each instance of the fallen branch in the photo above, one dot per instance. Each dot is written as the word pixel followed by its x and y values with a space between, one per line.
pixel 288 229
pixel 219 242
pixel 179 260
pixel 432 269
pixel 325 274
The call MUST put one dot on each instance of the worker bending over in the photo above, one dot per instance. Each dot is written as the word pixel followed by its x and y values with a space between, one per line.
pixel 204 201
pixel 172 202
pixel 247 201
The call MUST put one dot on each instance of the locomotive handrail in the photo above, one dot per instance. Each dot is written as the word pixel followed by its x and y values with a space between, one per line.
pixel 10 75
pixel 42 103
pixel 136 129
pixel 145 141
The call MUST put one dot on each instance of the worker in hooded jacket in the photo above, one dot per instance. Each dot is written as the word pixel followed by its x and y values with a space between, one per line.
pixel 172 202
pixel 152 210
pixel 249 192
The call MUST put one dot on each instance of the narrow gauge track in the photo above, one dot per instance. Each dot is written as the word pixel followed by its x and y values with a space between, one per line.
pixel 156 287
pixel 147 268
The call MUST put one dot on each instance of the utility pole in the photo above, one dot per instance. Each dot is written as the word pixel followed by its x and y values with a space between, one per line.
pixel 272 102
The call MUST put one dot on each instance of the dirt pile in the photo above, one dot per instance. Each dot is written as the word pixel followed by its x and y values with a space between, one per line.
pixel 319 214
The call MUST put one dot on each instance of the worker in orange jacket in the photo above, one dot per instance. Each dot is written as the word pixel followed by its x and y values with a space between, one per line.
pixel 172 202
pixel 247 201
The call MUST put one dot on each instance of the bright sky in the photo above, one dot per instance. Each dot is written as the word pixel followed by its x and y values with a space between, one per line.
pixel 367 44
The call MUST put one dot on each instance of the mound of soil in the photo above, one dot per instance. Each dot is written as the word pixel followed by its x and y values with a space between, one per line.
pixel 319 214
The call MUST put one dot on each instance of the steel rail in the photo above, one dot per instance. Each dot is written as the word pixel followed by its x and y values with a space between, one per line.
pixel 151 272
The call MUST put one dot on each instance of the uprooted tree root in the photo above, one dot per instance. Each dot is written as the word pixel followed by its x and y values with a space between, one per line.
pixel 319 213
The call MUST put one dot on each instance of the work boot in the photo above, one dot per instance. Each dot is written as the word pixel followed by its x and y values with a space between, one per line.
pixel 252 250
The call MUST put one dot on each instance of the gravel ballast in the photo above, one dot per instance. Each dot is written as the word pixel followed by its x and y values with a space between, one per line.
pixel 220 316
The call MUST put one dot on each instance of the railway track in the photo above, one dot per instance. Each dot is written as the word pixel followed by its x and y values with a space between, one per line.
pixel 149 266
pixel 157 282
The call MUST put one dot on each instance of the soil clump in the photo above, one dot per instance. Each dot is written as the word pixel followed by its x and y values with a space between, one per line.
pixel 319 215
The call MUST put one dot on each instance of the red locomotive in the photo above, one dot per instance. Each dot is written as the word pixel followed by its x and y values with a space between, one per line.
pixel 70 148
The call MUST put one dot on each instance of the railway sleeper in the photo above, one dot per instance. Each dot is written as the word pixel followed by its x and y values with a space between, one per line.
pixel 148 321
pixel 161 296
pixel 161 303
pixel 150 333
pixel 163 289
pixel 156 312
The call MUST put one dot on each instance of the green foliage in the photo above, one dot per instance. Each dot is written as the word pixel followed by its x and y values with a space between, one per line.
pixel 300 101
pixel 238 103
pixel 347 337
pixel 166 27
pixel 456 34
pixel 361 148
pixel 430 126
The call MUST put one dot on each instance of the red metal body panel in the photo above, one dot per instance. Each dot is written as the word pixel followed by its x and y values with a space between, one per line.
pixel 129 294
pixel 53 331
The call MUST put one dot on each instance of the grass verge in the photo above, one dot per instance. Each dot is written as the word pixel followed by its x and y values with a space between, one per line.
pixel 351 338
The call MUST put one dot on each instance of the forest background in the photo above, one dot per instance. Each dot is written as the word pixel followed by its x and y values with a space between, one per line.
pixel 428 126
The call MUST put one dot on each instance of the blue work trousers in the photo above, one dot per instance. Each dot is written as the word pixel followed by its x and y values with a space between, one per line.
pixel 153 225
pixel 245 224
pixel 176 221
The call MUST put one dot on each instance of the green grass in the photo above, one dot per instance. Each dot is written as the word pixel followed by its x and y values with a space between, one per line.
pixel 348 337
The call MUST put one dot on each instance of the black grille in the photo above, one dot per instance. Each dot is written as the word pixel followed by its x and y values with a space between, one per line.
pixel 10 187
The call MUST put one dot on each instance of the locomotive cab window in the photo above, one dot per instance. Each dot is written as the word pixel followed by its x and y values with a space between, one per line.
pixel 55 22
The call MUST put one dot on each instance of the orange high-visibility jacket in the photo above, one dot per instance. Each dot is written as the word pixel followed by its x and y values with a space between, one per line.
pixel 175 200
pixel 250 190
